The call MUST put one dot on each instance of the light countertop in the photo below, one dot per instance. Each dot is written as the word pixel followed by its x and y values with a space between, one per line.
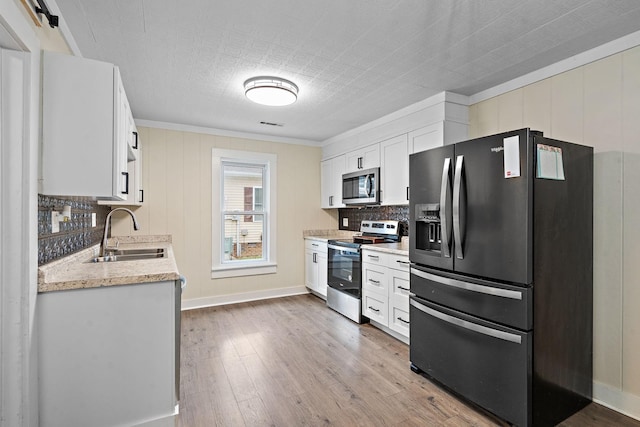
pixel 401 248
pixel 78 272
pixel 326 235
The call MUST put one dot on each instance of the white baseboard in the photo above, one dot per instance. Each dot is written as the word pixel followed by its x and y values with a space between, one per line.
pixel 390 331
pixel 192 304
pixel 616 399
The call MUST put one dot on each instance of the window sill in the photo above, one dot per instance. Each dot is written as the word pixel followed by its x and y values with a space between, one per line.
pixel 223 271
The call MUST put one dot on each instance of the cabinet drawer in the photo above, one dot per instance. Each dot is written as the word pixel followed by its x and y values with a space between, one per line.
pixel 399 286
pixel 374 257
pixel 375 308
pixel 374 278
pixel 315 245
pixel 398 262
pixel 399 320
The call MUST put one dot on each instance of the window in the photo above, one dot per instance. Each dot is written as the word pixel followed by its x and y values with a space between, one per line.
pixel 252 202
pixel 243 208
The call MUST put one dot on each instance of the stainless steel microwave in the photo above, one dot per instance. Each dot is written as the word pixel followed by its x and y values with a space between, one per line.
pixel 361 187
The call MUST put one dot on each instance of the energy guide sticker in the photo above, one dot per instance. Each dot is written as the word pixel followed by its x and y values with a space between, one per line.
pixel 511 156
pixel 550 165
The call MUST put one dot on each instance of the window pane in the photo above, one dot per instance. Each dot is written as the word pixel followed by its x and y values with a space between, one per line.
pixel 243 239
pixel 236 179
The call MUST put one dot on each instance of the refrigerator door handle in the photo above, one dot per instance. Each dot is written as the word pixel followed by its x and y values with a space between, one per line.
pixel 496 333
pixel 484 289
pixel 458 213
pixel 445 215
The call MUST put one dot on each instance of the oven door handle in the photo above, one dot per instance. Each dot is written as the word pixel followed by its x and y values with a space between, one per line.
pixel 474 327
pixel 344 249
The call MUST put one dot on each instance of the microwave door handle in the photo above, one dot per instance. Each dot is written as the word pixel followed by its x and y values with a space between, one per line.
pixel 458 208
pixel 368 187
pixel 445 214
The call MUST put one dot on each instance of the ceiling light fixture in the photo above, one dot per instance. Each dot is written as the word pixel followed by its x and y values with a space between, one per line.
pixel 272 91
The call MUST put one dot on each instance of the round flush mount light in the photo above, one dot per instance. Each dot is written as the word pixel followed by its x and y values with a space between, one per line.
pixel 272 91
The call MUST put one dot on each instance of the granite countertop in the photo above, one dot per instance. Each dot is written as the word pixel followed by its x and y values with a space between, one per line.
pixel 401 248
pixel 326 235
pixel 75 272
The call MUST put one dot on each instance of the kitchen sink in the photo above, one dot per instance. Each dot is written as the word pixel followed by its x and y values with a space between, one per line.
pixel 131 255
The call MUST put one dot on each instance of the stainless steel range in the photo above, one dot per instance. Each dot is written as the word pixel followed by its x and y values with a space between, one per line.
pixel 344 293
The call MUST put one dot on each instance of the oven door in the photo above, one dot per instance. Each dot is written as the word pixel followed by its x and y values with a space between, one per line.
pixel 343 269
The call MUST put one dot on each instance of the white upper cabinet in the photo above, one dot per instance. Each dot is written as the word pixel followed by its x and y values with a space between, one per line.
pixel 394 171
pixel 426 138
pixel 331 171
pixel 134 193
pixel 363 158
pixel 85 128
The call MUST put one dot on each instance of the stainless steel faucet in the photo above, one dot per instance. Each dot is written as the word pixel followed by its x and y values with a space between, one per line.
pixel 107 223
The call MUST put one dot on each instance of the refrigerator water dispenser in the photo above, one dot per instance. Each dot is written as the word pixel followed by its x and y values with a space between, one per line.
pixel 428 229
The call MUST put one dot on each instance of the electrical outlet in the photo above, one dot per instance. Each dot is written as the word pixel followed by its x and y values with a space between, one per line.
pixel 345 222
pixel 55 225
pixel 94 222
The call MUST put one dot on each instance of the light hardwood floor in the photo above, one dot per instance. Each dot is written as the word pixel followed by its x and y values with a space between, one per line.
pixel 293 362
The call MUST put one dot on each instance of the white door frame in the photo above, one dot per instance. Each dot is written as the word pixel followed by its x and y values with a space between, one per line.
pixel 19 136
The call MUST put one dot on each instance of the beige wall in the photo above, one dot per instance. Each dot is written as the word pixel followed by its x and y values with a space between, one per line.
pixel 177 201
pixel 598 105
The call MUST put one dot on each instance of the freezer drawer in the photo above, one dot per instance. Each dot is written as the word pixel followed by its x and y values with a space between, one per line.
pixel 486 363
pixel 505 304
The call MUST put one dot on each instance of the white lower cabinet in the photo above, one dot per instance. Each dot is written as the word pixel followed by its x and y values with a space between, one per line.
pixel 315 266
pixel 385 290
pixel 107 356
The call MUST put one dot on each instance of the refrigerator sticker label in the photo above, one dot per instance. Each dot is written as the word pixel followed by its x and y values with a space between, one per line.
pixel 511 156
pixel 550 164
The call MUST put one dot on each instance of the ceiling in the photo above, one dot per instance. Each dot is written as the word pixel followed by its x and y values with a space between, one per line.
pixel 353 60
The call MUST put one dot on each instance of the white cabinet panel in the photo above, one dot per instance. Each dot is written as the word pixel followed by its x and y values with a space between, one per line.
pixel 394 171
pixel 374 278
pixel 426 138
pixel 315 267
pixel 375 307
pixel 363 158
pixel 107 355
pixel 331 172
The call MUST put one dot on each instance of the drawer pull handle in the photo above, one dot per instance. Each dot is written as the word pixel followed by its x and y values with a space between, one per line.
pixel 373 256
pixel 489 290
pixel 314 244
pixel 474 327
pixel 374 309
pixel 403 288
pixel 403 262
pixel 375 282
pixel 403 321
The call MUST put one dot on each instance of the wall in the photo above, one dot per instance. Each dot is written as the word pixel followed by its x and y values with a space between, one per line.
pixel 18 361
pixel 598 105
pixel 177 182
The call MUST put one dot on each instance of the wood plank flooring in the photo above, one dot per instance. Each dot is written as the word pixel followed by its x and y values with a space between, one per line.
pixel 293 362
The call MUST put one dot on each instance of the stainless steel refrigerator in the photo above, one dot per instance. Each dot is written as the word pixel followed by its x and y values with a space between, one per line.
pixel 501 277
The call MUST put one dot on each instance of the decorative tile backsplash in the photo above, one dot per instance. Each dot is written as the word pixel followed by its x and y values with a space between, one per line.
pixel 75 234
pixel 356 215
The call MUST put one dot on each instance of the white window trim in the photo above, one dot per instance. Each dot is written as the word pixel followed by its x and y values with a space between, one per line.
pixel 248 268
